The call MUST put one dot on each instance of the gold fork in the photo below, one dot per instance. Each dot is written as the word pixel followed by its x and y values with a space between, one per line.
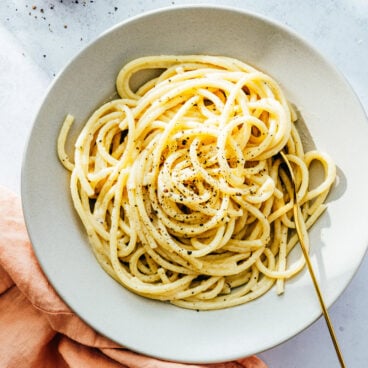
pixel 302 235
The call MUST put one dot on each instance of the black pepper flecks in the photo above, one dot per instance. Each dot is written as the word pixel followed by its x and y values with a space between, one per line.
pixel 37 12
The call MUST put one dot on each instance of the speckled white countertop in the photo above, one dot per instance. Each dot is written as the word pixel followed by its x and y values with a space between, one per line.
pixel 38 37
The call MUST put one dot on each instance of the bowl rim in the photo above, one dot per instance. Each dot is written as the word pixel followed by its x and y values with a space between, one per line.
pixel 140 17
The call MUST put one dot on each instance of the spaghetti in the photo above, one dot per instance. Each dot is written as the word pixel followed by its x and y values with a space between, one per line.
pixel 180 186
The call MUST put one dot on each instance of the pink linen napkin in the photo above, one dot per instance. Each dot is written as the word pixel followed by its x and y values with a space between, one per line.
pixel 38 330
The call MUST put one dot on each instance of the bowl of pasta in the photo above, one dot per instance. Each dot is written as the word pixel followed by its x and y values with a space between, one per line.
pixel 169 225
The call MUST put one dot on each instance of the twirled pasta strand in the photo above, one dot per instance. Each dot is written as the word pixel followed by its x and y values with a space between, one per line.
pixel 180 187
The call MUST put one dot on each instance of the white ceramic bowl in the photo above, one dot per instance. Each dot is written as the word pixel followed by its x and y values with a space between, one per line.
pixel 335 121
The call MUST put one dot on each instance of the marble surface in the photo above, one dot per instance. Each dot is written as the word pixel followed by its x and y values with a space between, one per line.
pixel 37 39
